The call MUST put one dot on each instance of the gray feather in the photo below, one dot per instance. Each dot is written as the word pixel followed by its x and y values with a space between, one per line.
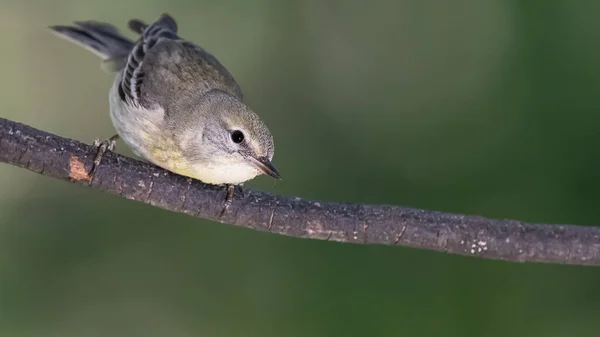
pixel 164 69
pixel 100 38
pixel 136 25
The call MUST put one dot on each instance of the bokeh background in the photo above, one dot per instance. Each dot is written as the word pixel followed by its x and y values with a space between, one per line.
pixel 469 106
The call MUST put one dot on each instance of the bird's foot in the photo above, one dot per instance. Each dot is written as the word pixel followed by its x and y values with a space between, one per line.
pixel 107 145
pixel 229 196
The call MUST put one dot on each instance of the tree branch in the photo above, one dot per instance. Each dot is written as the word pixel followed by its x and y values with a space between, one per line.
pixel 511 240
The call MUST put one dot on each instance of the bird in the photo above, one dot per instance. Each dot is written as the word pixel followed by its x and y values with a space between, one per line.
pixel 175 105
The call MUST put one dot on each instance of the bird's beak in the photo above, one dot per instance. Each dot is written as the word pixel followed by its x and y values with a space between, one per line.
pixel 265 166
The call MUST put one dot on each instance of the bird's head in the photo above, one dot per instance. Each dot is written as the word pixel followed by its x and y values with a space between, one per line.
pixel 230 144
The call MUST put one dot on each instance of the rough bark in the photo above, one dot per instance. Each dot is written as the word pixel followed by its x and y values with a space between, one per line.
pixel 511 240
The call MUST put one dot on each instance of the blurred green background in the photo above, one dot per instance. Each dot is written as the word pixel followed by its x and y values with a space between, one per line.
pixel 479 107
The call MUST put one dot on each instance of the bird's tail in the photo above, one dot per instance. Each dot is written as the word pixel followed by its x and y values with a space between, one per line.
pixel 100 38
pixel 105 40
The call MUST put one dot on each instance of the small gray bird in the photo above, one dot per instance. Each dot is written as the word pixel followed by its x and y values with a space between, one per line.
pixel 175 105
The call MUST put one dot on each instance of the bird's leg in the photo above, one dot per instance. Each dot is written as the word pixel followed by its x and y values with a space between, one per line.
pixel 109 145
pixel 229 196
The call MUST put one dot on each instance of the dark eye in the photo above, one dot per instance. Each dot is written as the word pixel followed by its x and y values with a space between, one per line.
pixel 237 136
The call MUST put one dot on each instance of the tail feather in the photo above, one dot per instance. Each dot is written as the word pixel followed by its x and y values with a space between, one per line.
pixel 98 26
pixel 102 39
pixel 104 31
pixel 105 40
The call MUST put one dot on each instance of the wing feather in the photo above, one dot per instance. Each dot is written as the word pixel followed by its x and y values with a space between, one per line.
pixel 162 67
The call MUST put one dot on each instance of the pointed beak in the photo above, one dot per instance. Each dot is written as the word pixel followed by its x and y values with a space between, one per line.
pixel 265 166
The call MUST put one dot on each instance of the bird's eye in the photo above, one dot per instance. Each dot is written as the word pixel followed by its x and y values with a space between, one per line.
pixel 237 136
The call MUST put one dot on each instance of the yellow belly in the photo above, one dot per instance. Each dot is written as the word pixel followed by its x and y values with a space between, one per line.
pixel 170 157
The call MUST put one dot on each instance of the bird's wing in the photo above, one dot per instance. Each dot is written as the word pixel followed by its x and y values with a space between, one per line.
pixel 166 70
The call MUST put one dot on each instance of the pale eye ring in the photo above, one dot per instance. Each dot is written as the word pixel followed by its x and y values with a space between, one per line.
pixel 237 136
